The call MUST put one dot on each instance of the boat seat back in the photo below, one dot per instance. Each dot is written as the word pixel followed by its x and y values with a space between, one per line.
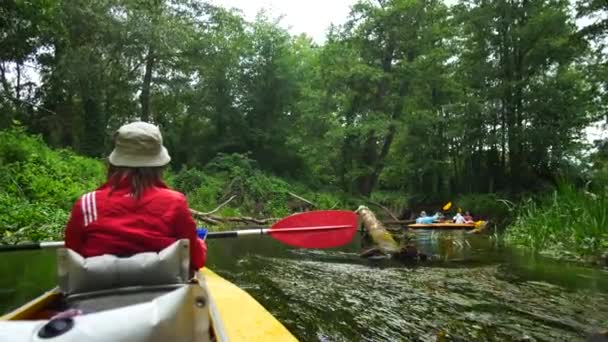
pixel 77 274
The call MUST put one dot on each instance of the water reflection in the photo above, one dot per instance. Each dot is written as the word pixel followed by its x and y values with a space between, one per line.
pixel 471 289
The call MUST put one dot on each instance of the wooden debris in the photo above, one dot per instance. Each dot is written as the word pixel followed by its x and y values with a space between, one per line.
pixel 220 206
pixel 217 220
pixel 381 237
pixel 383 240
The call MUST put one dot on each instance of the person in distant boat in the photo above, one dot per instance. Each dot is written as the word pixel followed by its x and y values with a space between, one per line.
pixel 427 219
pixel 134 211
pixel 458 219
pixel 468 218
pixel 440 217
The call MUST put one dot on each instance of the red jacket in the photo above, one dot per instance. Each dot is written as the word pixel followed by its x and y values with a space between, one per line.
pixel 109 221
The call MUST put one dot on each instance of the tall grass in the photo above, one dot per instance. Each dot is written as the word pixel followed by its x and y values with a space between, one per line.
pixel 566 221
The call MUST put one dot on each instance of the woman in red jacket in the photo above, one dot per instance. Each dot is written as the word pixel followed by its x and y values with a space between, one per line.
pixel 133 211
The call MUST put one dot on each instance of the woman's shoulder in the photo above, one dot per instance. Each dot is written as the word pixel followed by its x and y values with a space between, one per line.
pixel 171 194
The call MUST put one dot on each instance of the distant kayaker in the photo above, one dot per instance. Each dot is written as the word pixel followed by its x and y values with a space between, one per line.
pixel 468 218
pixel 458 219
pixel 134 211
pixel 427 219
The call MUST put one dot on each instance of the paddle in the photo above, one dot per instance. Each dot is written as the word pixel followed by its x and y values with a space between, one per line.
pixel 313 229
pixel 447 206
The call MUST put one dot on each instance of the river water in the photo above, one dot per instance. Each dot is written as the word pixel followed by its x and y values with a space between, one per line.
pixel 470 290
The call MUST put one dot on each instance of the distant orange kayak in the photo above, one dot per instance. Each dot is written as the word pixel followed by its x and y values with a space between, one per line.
pixel 479 225
pixel 442 226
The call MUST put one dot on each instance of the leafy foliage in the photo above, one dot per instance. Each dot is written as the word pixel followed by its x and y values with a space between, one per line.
pixel 39 186
pixel 256 193
pixel 407 102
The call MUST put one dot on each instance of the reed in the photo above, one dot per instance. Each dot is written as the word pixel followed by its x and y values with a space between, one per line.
pixel 567 221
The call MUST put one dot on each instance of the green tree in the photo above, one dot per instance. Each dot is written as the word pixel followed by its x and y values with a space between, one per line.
pixel 385 56
pixel 529 82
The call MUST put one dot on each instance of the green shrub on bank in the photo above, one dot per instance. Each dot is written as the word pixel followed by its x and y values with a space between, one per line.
pixel 39 186
pixel 255 192
pixel 23 220
pixel 568 221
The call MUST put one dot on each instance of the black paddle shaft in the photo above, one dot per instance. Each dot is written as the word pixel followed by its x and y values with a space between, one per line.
pixel 19 247
pixel 56 244
pixel 221 235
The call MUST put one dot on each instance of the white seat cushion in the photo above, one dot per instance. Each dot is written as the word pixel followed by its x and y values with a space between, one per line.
pixel 77 274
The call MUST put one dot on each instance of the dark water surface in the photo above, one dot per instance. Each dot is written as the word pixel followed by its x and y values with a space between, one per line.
pixel 469 291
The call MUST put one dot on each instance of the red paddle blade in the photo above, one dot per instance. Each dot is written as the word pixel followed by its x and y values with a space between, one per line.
pixel 316 229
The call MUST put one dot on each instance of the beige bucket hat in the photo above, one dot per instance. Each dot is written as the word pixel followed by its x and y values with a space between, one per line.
pixel 139 144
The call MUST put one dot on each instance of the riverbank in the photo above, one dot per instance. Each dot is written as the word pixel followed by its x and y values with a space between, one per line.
pixel 38 186
pixel 567 224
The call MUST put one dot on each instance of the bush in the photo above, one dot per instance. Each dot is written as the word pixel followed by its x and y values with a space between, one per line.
pixel 257 193
pixel 567 221
pixel 40 185
pixel 21 220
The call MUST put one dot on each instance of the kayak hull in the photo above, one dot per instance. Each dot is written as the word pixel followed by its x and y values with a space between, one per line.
pixel 236 316
pixel 442 226
pixel 232 313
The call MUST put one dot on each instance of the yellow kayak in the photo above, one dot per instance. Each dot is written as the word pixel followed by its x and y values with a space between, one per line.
pixel 441 225
pixel 213 309
pixel 238 316
pixel 478 226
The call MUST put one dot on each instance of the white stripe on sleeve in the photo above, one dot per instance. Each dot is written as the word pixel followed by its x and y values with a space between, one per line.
pixel 94 206
pixel 88 206
pixel 83 201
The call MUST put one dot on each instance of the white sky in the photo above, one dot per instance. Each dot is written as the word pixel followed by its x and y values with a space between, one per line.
pixel 312 17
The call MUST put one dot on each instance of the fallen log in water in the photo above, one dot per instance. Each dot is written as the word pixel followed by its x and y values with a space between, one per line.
pixel 384 243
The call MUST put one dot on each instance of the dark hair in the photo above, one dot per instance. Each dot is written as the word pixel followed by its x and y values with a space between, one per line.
pixel 141 177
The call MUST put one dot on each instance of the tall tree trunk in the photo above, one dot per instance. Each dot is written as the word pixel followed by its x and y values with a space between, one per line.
pixel 91 95
pixel 8 89
pixel 18 86
pixel 372 180
pixel 94 129
pixel 368 182
pixel 347 147
pixel 388 141
pixel 145 89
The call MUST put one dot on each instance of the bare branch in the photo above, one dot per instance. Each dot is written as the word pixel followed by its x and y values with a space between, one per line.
pixel 216 220
pixel 220 206
pixel 15 100
pixel 301 198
